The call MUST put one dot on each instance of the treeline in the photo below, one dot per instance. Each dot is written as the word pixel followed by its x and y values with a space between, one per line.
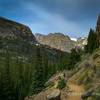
pixel 92 41
pixel 24 68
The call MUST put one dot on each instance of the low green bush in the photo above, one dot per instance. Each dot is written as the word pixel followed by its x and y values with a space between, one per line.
pixel 49 84
pixel 61 84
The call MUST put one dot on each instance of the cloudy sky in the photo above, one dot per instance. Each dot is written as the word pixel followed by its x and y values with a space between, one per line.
pixel 71 17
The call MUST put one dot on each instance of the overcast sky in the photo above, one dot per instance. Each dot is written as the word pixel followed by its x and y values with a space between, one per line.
pixel 71 17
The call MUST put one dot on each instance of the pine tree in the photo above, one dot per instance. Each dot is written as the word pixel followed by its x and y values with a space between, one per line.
pixel 38 79
pixel 98 39
pixel 92 42
pixel 74 58
pixel 6 83
pixel 20 82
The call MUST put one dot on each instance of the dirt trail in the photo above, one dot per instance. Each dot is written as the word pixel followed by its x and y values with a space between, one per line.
pixel 75 91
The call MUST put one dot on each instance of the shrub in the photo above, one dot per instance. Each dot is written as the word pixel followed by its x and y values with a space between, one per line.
pixel 61 84
pixel 49 84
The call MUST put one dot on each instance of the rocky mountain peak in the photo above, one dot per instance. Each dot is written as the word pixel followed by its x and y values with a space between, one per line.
pixel 14 30
pixel 59 35
pixel 56 40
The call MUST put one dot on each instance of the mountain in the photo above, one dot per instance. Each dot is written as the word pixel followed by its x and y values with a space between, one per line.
pixel 29 69
pixel 73 39
pixel 84 79
pixel 56 40
pixel 60 41
pixel 14 30
pixel 25 65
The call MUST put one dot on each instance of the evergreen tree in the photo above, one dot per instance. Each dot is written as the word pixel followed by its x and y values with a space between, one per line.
pixel 98 39
pixel 20 82
pixel 92 42
pixel 38 79
pixel 6 85
pixel 74 58
pixel 45 64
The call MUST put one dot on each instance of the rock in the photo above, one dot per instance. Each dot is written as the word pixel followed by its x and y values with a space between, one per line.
pixel 54 95
pixel 81 42
pixel 29 98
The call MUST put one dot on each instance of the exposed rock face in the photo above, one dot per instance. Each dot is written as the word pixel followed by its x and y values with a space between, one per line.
pixel 14 30
pixel 56 40
pixel 81 42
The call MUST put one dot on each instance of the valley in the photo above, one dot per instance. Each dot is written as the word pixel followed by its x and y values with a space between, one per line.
pixel 48 67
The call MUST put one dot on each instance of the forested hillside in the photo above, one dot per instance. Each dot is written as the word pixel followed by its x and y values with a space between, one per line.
pixel 25 65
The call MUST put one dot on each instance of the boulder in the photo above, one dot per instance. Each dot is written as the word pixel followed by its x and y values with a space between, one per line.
pixel 54 95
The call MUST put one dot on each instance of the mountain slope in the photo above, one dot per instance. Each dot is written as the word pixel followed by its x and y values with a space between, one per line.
pixel 23 61
pixel 56 40
pixel 14 30
pixel 88 74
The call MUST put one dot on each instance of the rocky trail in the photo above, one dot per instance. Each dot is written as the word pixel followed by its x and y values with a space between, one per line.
pixel 75 91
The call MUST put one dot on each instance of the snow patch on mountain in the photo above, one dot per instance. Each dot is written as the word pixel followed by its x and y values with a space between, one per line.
pixel 73 39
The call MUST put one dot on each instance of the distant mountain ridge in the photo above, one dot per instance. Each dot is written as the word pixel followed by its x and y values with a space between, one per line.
pixel 60 41
pixel 56 40
pixel 13 30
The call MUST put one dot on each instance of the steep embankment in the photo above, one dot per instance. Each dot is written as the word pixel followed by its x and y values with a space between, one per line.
pixel 88 75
